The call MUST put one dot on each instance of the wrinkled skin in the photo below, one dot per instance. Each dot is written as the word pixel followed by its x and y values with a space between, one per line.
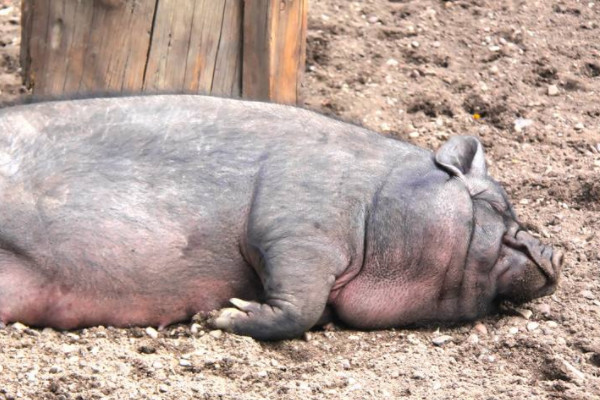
pixel 146 210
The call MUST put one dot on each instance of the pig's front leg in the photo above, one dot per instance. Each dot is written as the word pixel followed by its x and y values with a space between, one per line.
pixel 297 279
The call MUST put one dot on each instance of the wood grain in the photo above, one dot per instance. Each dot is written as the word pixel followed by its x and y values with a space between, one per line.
pixel 274 49
pixel 253 48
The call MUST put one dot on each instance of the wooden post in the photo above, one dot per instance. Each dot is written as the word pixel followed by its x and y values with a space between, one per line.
pixel 249 48
pixel 274 49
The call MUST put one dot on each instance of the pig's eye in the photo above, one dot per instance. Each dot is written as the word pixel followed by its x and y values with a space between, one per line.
pixel 495 201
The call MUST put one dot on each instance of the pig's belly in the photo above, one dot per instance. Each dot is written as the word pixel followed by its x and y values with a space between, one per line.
pixel 74 270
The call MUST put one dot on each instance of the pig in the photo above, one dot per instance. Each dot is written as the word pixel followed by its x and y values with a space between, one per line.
pixel 143 211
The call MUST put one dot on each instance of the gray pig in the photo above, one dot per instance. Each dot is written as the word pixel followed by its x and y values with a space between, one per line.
pixel 147 210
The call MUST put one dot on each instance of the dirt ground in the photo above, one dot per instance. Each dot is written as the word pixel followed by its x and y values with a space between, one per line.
pixel 522 75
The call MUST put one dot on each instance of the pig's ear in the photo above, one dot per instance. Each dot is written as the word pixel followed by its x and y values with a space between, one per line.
pixel 462 156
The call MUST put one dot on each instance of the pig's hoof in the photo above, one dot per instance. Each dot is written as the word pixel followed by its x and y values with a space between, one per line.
pixel 227 317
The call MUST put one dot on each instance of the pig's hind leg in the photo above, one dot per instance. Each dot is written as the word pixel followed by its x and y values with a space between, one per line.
pixel 297 280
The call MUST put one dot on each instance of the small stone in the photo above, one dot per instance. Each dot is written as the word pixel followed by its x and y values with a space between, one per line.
pixel 195 328
pixel 55 369
pixel 532 326
pixel 494 69
pixel 373 19
pixel 543 309
pixel 480 328
pixel 353 337
pixel 153 333
pixel 19 326
pixel 525 313
pixel 574 372
pixel 262 374
pixel 441 340
pixel 513 330
pixel 473 339
pixel 185 363
pixel 415 44
pixel 553 90
pixel 163 388
pixel 392 62
pixel 157 365
pixel 587 294
pixel 414 134
pixel 307 336
pixel 524 201
pixel 579 126
pixel 495 48
pixel 418 374
pixel 146 349
pixel 95 369
pixel 345 364
pixel 217 333
pixel 551 324
pixel 522 123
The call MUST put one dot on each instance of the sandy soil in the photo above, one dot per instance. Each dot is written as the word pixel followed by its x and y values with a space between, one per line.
pixel 524 76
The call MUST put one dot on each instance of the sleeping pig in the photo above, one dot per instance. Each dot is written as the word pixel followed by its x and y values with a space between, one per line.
pixel 147 210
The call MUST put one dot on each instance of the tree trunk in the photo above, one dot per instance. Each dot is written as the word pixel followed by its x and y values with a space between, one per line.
pixel 249 48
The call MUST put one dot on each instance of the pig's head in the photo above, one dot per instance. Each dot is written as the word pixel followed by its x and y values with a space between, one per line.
pixel 515 264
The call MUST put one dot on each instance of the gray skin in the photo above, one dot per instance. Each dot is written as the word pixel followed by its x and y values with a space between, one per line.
pixel 147 210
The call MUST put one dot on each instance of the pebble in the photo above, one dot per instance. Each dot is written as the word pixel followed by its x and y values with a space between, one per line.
pixel 55 369
pixel 553 90
pixel 185 363
pixel 532 326
pixel 262 374
pixel 480 328
pixel 19 326
pixel 494 69
pixel 543 309
pixel 522 123
pixel 385 127
pixel 163 388
pixel 579 126
pixel 418 374
pixel 195 328
pixel 494 48
pixel 157 365
pixel 353 337
pixel 153 333
pixel 415 44
pixel 147 349
pixel 587 294
pixel 392 62
pixel 414 134
pixel 473 338
pixel 551 324
pixel 345 364
pixel 217 333
pixel 525 313
pixel 441 340
pixel 513 330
